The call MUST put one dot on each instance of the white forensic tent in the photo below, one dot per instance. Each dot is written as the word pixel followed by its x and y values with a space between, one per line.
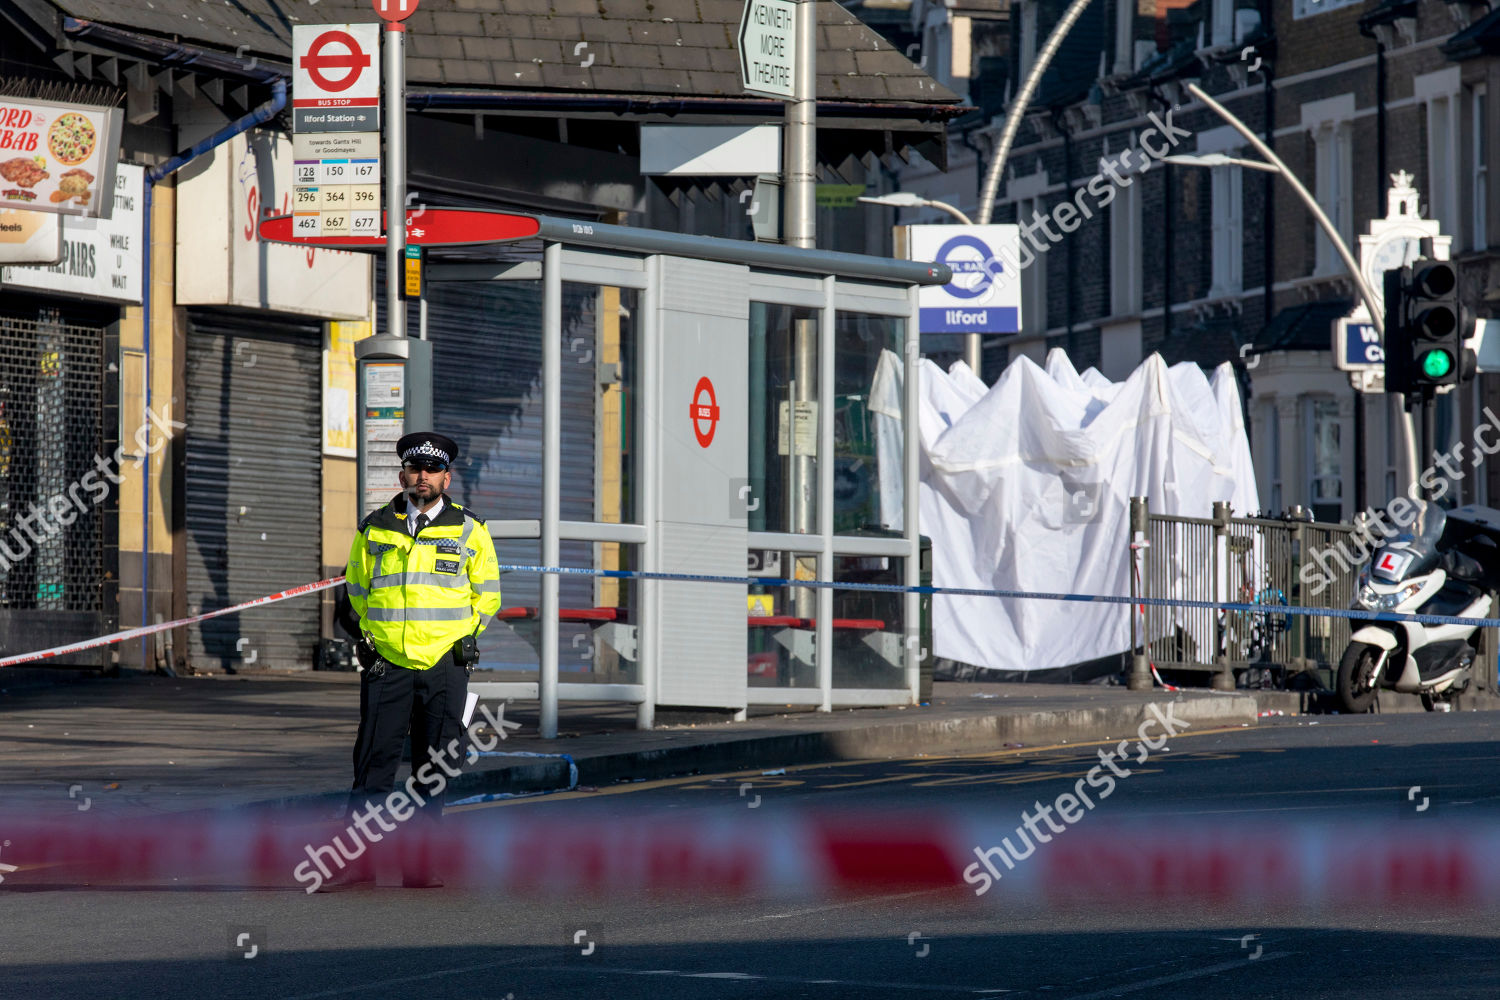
pixel 1026 486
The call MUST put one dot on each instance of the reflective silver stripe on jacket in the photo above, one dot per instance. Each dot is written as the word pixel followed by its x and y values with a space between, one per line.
pixel 419 614
pixel 355 590
pixel 488 586
pixel 449 580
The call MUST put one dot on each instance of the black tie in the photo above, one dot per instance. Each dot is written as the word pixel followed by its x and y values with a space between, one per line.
pixel 422 522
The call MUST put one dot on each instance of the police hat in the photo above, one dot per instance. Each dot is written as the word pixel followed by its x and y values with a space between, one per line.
pixel 426 444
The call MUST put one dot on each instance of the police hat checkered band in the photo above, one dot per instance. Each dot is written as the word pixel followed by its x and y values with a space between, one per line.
pixel 427 450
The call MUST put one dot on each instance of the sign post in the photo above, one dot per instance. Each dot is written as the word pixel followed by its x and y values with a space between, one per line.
pixel 335 129
pixel 778 58
pixel 395 371
pixel 984 296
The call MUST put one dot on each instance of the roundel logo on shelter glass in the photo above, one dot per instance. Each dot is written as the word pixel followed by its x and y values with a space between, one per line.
pixel 984 295
pixel 705 412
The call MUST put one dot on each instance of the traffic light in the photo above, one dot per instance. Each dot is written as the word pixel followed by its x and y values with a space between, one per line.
pixel 1425 329
pixel 1397 334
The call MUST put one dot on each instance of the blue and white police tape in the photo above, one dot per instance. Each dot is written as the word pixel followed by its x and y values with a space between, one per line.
pixel 896 588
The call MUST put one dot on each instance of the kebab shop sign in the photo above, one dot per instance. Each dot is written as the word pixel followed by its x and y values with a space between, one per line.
pixel 58 157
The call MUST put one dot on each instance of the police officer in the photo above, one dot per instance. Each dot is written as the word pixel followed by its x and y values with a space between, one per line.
pixel 423 581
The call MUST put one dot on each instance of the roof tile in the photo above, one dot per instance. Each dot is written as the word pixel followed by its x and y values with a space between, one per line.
pixel 607 29
pixel 641 56
pixel 473 42
pixel 687 58
pixel 537 50
pixel 566 29
pixel 424 69
pixel 616 79
pixel 872 63
pixel 518 74
pixel 456 23
pixel 655 32
pixel 712 84
pixel 566 76
pixel 677 10
pixel 468 72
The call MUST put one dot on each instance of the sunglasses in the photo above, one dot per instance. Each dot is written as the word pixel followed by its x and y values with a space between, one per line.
pixel 425 464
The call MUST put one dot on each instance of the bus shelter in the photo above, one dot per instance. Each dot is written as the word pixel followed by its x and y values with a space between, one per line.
pixel 699 406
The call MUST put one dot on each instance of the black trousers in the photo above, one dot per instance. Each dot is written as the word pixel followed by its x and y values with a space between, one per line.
pixel 427 703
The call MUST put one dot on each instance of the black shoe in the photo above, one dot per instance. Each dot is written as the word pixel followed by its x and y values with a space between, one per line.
pixel 353 877
pixel 423 880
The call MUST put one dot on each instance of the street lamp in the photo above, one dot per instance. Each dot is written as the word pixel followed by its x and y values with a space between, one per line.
pixel 1220 160
pixel 1272 163
pixel 905 199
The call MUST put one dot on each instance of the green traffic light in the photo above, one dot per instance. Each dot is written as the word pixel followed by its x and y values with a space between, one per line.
pixel 1437 364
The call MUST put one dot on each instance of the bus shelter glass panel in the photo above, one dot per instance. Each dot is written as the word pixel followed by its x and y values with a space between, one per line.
pixel 869 626
pixel 783 419
pixel 507 644
pixel 598 618
pixel 599 375
pixel 867 434
pixel 780 638
pixel 487 391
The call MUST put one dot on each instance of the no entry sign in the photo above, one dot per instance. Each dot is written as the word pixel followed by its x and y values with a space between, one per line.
pixel 335 66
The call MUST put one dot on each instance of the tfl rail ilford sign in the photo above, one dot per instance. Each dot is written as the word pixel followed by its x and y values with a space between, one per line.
pixel 985 293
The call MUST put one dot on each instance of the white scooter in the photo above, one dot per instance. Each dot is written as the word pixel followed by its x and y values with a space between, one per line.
pixel 1443 563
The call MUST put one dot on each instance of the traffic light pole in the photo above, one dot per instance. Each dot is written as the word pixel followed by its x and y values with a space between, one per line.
pixel 1429 407
pixel 1426 399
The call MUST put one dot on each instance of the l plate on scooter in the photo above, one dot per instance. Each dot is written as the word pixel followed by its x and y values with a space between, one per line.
pixel 1391 564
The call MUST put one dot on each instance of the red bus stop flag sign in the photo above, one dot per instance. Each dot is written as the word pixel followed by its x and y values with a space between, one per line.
pixel 705 412
pixel 394 10
pixel 434 227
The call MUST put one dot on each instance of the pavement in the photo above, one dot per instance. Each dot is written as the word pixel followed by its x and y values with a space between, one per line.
pixel 1192 880
pixel 159 744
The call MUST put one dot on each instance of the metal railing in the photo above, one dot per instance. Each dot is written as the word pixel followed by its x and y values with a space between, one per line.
pixel 1243 560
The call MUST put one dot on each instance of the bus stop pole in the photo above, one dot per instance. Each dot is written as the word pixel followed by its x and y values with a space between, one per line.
pixel 802 131
pixel 648 642
pixel 551 480
pixel 395 177
pixel 825 362
pixel 911 521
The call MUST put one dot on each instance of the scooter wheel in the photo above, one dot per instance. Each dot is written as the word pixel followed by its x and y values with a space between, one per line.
pixel 1357 683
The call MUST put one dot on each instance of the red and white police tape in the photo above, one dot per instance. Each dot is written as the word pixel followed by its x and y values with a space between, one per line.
pixel 1414 864
pixel 135 633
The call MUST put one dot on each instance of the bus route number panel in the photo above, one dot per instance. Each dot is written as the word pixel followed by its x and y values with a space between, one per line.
pixel 336 197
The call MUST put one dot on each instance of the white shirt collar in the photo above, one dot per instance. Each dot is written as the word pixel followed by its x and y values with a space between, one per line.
pixel 412 511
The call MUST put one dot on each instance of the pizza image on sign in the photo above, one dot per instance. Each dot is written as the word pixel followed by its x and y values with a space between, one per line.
pixel 58 157
pixel 71 139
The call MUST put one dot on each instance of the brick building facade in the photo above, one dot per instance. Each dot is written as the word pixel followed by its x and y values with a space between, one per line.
pixel 1347 94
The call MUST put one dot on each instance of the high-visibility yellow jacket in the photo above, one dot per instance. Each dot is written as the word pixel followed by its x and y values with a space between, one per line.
pixel 416 597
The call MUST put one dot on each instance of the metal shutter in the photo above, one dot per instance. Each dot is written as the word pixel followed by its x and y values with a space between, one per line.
pixel 52 433
pixel 254 486
pixel 487 396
